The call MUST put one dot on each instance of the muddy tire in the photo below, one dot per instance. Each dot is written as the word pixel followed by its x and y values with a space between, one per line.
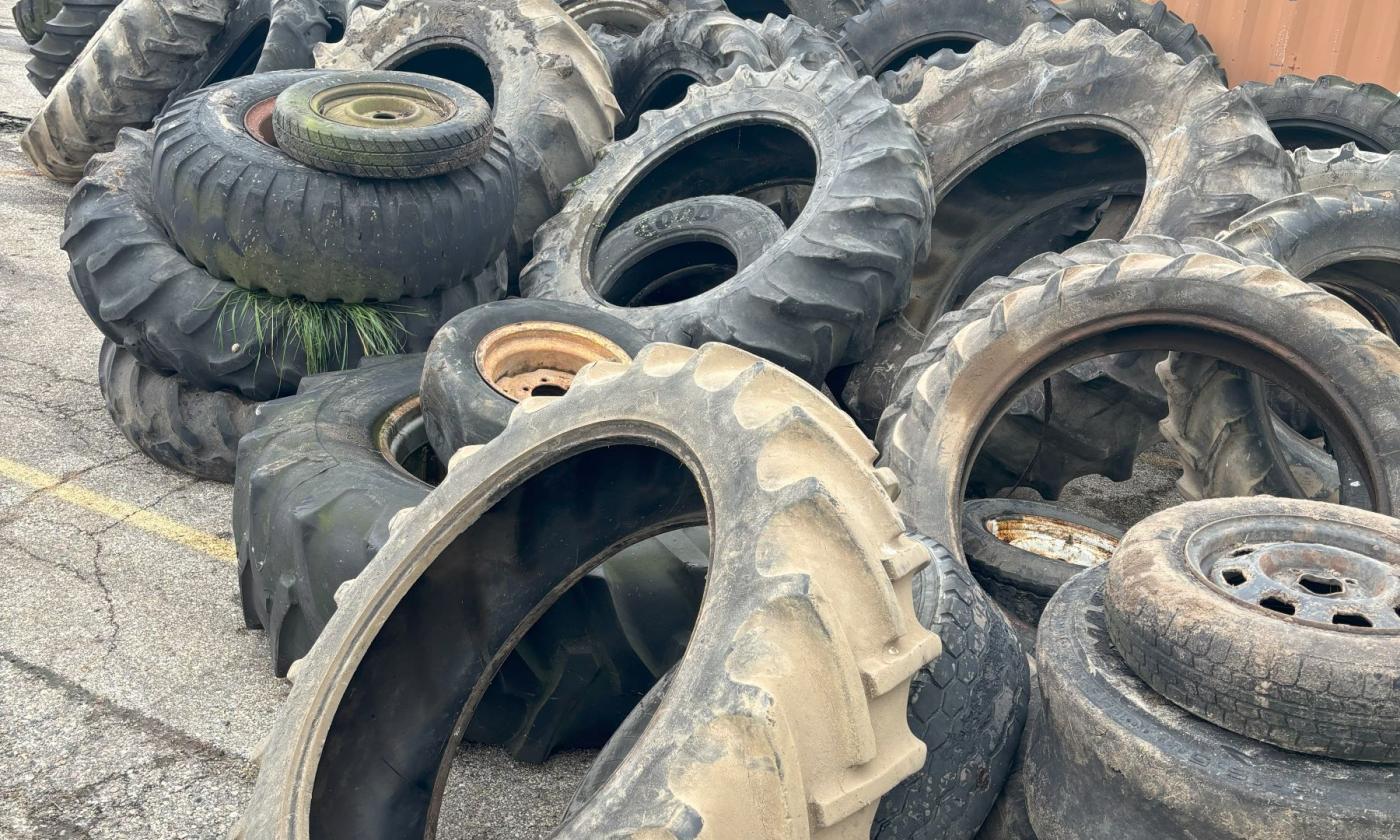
pixel 813 299
pixel 1311 587
pixel 1161 24
pixel 145 295
pixel 74 24
pixel 1367 171
pixel 546 82
pixel 389 143
pixel 1110 759
pixel 1230 441
pixel 31 15
pixel 319 483
pixel 553 340
pixel 1327 112
pixel 1022 552
pixel 1278 325
pixel 352 240
pixel 742 707
pixel 890 32
pixel 146 50
pixel 693 243
pixel 175 425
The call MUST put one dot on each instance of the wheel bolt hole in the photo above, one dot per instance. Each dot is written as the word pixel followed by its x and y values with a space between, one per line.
pixel 1278 605
pixel 383 115
pixel 1234 577
pixel 1242 551
pixel 1351 620
pixel 547 391
pixel 1320 585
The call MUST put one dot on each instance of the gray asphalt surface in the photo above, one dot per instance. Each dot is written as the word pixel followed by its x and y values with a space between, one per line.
pixel 131 695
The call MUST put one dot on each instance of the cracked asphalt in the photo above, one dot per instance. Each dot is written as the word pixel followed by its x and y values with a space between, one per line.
pixel 131 695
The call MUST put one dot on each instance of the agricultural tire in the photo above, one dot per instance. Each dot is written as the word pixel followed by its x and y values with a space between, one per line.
pixel 31 15
pixel 1367 171
pixel 62 38
pixel 1328 112
pixel 1161 24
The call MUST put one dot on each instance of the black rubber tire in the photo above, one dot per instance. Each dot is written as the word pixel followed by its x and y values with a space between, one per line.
pixel 296 27
pixel 1367 171
pixel 63 37
pixel 1164 26
pixel 1327 112
pixel 1228 444
pixel 1301 681
pixel 460 408
pixel 792 38
pixel 1021 581
pixel 386 152
pixel 653 70
pixel 1259 316
pixel 902 85
pixel 890 32
pixel 1008 819
pixel 292 230
pixel 1110 759
pixel 642 256
pixel 813 299
pixel 174 424
pixel 146 296
pixel 808 666
pixel 31 15
pixel 968 707
pixel 548 86
pixel 314 502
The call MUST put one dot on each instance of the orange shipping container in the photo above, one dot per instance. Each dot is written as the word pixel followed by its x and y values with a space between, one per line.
pixel 1261 40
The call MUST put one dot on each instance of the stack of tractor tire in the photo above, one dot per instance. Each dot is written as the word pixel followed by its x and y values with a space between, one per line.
pixel 742 391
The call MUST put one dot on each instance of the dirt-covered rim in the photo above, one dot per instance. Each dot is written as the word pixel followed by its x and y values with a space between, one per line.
pixel 540 358
pixel 257 121
pixel 1056 539
pixel 401 438
pixel 382 105
pixel 1324 574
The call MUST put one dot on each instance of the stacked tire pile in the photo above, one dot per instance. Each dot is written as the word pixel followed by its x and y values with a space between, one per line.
pixel 680 387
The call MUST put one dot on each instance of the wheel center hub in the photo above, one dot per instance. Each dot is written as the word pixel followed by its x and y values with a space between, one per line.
pixel 1053 538
pixel 1323 585
pixel 382 105
pixel 540 358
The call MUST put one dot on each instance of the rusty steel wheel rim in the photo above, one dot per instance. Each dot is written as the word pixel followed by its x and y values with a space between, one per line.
pixel 1056 539
pixel 540 358
pixel 257 121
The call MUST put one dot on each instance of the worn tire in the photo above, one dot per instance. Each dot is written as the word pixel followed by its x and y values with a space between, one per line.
pixel 549 87
pixel 1327 112
pixel 461 138
pixel 692 241
pixel 1008 819
pixel 813 299
pixel 795 680
pixel 460 406
pixel 1301 681
pixel 1230 443
pixel 889 32
pixel 1022 580
pixel 63 37
pixel 291 229
pixel 1110 759
pixel 315 500
pixel 1256 315
pixel 1161 24
pixel 1367 171
pixel 176 425
pixel 31 15
pixel 145 295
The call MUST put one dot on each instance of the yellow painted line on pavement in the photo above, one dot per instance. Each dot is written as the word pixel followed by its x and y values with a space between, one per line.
pixel 124 512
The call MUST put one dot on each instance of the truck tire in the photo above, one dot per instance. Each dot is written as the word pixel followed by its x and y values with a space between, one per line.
pixel 1278 325
pixel 1110 759
pixel 885 36
pixel 797 698
pixel 1267 617
pixel 145 295
pixel 319 483
pixel 176 425
pixel 294 230
pixel 489 358
pixel 62 38
pixel 1231 442
pixel 546 82
pixel 1327 112
pixel 1022 552
pixel 813 299
pixel 968 707
pixel 1161 24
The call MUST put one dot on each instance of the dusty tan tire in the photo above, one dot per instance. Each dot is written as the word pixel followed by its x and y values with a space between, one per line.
pixel 793 688
pixel 546 82
pixel 1273 322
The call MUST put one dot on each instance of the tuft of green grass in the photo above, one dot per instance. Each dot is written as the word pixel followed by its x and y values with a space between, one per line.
pixel 322 330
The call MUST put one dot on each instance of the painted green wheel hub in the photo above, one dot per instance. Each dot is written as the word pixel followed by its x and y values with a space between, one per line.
pixel 382 105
